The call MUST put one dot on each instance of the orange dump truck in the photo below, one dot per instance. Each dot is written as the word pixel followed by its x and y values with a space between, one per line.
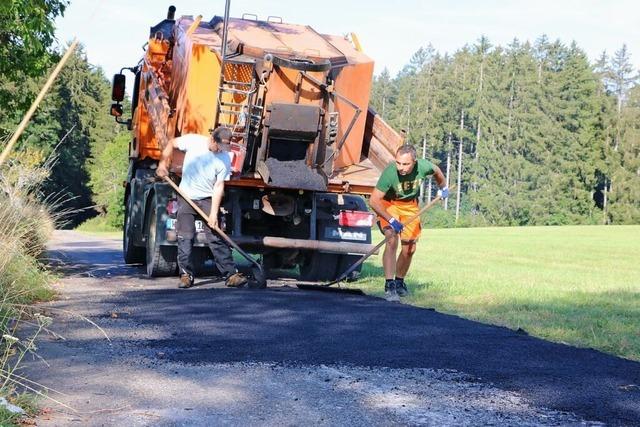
pixel 306 148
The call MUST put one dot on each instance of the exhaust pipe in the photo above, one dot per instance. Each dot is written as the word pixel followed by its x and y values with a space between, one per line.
pixel 171 13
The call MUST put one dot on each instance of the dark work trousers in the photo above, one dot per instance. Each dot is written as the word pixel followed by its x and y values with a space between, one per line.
pixel 186 229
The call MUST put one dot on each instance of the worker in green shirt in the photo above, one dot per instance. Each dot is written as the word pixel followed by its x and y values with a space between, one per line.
pixel 395 199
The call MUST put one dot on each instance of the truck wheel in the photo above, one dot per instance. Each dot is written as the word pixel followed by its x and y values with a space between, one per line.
pixel 161 260
pixel 319 267
pixel 132 254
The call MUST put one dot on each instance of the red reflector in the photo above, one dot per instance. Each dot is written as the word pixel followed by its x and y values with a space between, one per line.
pixel 355 219
pixel 172 207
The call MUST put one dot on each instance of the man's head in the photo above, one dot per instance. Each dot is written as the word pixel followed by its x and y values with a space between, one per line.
pixel 406 158
pixel 220 139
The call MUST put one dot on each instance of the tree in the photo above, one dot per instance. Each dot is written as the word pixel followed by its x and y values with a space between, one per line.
pixel 625 195
pixel 72 124
pixel 539 126
pixel 108 170
pixel 618 78
pixel 383 92
pixel 26 33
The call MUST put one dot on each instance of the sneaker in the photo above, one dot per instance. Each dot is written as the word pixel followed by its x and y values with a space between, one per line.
pixel 236 280
pixel 401 289
pixel 186 281
pixel 390 292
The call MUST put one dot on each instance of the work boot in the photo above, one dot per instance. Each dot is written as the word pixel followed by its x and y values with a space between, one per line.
pixel 401 288
pixel 390 291
pixel 236 280
pixel 186 281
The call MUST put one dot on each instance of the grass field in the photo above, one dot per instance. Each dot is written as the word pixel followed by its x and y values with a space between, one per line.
pixel 576 284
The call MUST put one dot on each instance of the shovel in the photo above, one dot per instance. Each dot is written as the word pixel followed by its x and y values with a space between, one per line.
pixel 257 272
pixel 343 276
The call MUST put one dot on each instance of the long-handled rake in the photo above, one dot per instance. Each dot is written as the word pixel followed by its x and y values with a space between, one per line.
pixel 343 276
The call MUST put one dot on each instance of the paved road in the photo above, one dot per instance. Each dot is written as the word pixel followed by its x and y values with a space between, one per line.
pixel 211 355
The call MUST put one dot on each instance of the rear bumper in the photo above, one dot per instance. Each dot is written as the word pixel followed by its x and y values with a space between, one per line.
pixel 284 243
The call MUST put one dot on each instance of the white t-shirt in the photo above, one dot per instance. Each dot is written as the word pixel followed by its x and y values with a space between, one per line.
pixel 201 167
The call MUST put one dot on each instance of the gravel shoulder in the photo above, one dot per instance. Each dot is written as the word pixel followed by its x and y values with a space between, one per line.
pixel 212 355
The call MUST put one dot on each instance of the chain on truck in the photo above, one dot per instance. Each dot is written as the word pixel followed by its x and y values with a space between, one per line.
pixel 306 148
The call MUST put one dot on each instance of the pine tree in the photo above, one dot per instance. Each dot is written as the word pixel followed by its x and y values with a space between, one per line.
pixel 619 79
pixel 383 92
pixel 625 196
pixel 108 170
pixel 73 125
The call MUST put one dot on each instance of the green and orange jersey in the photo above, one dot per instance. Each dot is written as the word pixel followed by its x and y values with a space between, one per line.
pixel 404 187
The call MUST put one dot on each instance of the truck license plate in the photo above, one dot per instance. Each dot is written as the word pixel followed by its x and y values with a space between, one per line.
pixel 171 224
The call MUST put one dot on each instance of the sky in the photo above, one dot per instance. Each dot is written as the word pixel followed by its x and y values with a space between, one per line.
pixel 113 32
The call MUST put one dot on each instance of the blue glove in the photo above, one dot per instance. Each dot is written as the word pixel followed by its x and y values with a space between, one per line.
pixel 443 193
pixel 396 225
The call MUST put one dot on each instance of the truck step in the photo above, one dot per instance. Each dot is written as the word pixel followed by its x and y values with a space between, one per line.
pixel 231 90
pixel 234 83
pixel 233 104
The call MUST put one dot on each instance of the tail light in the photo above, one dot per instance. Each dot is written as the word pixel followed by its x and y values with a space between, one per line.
pixel 355 219
pixel 172 207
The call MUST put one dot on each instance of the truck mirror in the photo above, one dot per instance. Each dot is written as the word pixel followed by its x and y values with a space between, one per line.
pixel 116 110
pixel 118 87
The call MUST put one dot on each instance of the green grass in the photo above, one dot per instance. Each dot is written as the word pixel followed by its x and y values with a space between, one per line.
pixel 25 227
pixel 99 224
pixel 576 284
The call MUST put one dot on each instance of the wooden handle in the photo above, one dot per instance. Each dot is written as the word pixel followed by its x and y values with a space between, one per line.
pixel 188 200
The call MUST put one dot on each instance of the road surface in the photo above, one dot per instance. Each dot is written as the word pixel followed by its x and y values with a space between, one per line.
pixel 210 355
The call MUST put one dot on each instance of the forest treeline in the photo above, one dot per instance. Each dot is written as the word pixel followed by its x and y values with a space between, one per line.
pixel 84 149
pixel 538 133
pixel 530 134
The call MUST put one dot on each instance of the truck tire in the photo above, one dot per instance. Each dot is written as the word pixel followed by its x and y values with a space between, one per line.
pixel 161 260
pixel 319 267
pixel 132 254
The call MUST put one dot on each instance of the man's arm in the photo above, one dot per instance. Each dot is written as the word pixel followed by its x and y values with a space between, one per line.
pixel 216 199
pixel 165 158
pixel 439 176
pixel 443 190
